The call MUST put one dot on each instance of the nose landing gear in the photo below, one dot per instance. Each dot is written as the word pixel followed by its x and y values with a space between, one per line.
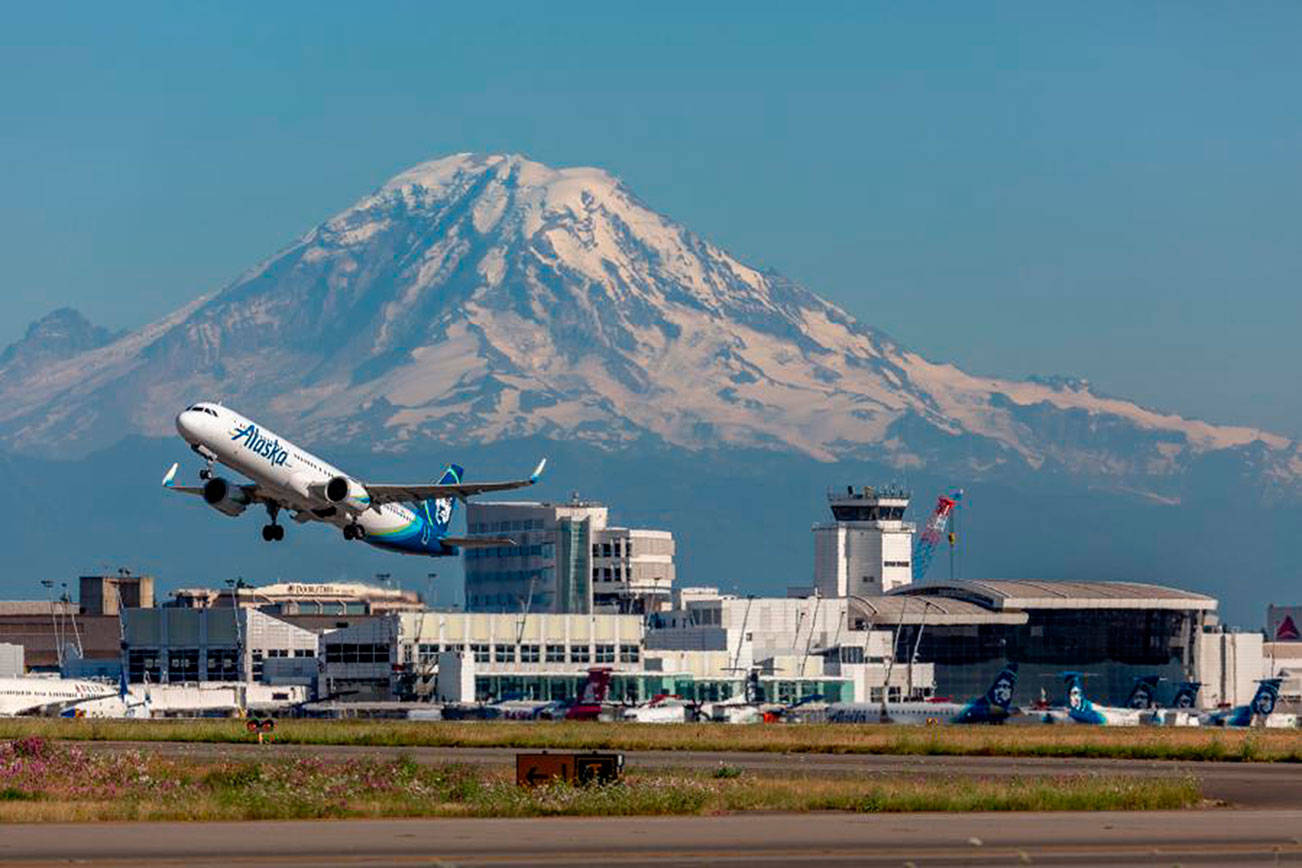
pixel 353 531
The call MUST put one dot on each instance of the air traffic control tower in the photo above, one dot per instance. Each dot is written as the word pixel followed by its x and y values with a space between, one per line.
pixel 868 549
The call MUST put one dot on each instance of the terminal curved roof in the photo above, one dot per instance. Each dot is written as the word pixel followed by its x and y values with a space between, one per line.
pixel 1021 594
pixel 934 611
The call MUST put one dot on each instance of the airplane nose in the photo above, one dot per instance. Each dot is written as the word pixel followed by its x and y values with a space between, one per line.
pixel 185 425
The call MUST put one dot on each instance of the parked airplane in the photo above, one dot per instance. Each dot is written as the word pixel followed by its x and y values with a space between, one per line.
pixel 1080 709
pixel 1262 705
pixel 412 519
pixel 1182 710
pixel 661 709
pixel 124 703
pixel 591 703
pixel 992 707
pixel 32 694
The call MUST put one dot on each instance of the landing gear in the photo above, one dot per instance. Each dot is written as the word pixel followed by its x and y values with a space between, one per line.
pixel 273 532
pixel 206 473
pixel 353 531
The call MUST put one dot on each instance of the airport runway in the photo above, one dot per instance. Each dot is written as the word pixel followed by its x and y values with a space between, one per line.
pixel 1242 785
pixel 1217 837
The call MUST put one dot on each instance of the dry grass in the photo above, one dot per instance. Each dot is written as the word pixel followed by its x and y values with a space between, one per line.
pixel 42 781
pixel 1067 741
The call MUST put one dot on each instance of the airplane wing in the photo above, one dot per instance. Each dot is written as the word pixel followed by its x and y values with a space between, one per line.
pixel 169 482
pixel 477 542
pixel 254 493
pixel 460 490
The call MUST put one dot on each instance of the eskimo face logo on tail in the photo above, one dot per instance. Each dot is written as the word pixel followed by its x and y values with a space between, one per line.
pixel 1264 703
pixel 443 511
pixel 1002 692
pixel 257 444
pixel 1075 697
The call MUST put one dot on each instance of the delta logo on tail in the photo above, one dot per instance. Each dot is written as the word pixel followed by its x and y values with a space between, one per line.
pixel 1287 630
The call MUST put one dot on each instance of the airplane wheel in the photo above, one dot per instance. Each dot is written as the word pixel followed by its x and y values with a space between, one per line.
pixel 350 532
pixel 268 532
pixel 278 532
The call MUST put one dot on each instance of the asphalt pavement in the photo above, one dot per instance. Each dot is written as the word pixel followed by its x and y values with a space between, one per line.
pixel 1215 837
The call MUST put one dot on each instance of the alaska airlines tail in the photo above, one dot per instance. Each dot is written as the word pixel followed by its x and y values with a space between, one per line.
pixel 1141 695
pixel 438 511
pixel 1075 684
pixel 1000 694
pixel 992 707
pixel 1267 695
pixel 1186 695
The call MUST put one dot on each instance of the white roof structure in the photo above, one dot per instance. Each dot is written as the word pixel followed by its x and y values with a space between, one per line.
pixel 1023 594
pixel 895 609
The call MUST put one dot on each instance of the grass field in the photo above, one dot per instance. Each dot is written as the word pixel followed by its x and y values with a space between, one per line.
pixel 1048 741
pixel 51 781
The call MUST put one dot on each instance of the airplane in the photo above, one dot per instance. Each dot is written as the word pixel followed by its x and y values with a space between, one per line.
pixel 125 703
pixel 1182 710
pixel 1080 709
pixel 662 708
pixel 410 519
pixel 31 694
pixel 591 703
pixel 1263 703
pixel 991 707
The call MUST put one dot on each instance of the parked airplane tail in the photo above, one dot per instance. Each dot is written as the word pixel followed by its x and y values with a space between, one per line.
pixel 595 688
pixel 438 511
pixel 1141 695
pixel 1263 703
pixel 1186 695
pixel 1075 684
pixel 1000 694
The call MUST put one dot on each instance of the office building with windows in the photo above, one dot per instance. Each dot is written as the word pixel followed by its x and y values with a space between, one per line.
pixel 567 559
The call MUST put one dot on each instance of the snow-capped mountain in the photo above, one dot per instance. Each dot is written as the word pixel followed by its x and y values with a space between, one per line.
pixel 481 298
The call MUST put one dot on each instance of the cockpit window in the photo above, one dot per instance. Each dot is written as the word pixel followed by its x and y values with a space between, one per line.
pixel 200 408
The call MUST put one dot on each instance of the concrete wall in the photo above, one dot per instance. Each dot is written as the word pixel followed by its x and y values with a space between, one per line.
pixel 1228 665
pixel 11 661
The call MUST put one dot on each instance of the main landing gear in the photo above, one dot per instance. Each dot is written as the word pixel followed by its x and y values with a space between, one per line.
pixel 353 531
pixel 273 532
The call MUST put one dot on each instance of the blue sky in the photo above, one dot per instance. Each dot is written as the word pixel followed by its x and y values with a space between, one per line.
pixel 1020 188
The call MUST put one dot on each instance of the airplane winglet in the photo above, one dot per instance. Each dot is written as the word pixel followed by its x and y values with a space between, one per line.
pixel 537 471
pixel 170 478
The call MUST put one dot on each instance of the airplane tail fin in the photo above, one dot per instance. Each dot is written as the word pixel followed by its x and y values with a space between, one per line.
pixel 1267 695
pixel 1075 684
pixel 1141 695
pixel 595 688
pixel 1000 694
pixel 438 511
pixel 1186 695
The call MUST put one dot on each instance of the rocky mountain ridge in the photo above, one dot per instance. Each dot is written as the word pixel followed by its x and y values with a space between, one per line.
pixel 482 298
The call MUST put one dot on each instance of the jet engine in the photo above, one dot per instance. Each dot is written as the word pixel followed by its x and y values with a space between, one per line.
pixel 224 497
pixel 348 494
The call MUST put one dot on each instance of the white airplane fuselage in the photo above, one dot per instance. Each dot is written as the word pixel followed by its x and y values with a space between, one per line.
pixel 31 695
